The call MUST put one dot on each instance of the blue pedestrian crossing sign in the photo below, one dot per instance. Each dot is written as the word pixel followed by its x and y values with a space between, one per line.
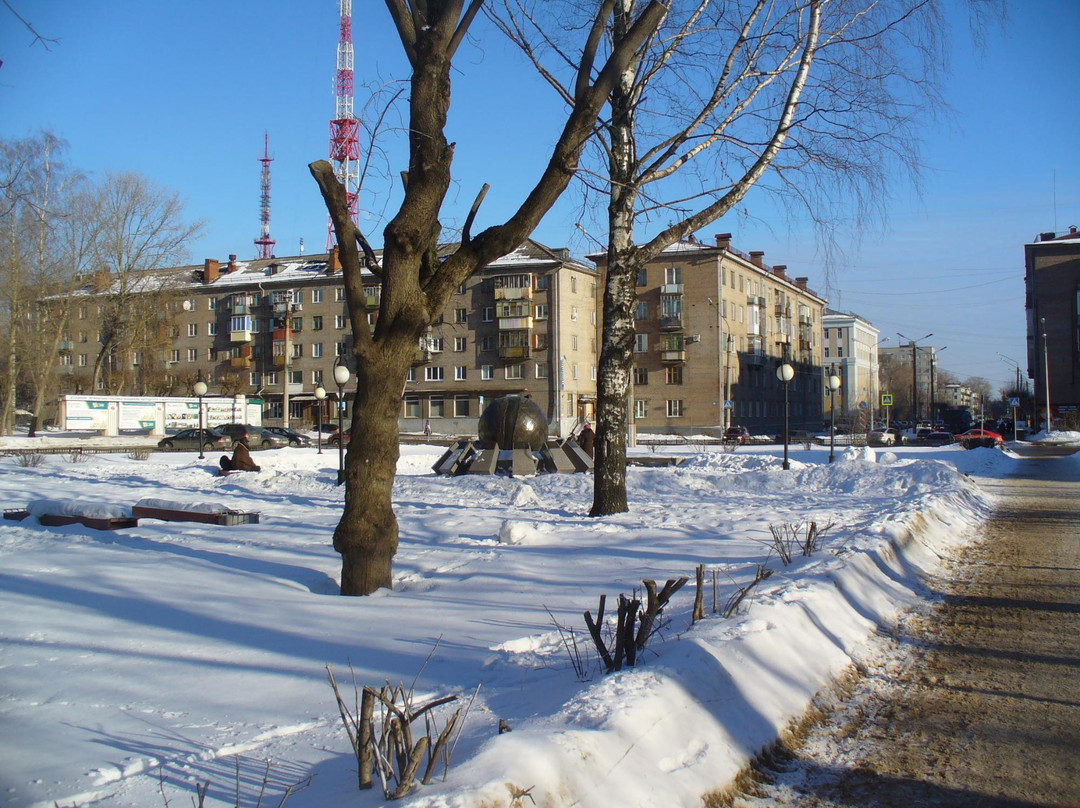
pixel 886 399
pixel 1014 402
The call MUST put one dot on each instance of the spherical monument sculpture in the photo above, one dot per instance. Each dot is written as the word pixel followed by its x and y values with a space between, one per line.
pixel 511 421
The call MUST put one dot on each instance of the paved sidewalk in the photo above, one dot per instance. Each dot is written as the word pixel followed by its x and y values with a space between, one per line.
pixel 980 703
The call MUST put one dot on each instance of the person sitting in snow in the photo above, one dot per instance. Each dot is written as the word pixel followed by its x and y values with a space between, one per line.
pixel 241 460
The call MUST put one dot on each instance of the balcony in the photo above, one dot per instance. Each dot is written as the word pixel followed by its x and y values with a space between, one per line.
pixel 514 352
pixel 282 360
pixel 243 335
pixel 240 362
pixel 515 323
pixel 674 323
pixel 671 289
pixel 371 301
pixel 240 308
pixel 514 293
pixel 672 356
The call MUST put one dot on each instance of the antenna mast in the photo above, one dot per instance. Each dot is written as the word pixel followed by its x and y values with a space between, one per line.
pixel 344 128
pixel 264 242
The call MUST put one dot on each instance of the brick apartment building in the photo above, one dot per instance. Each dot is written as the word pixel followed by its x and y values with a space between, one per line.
pixel 712 325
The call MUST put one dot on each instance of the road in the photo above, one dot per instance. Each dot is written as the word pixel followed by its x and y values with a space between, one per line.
pixel 976 700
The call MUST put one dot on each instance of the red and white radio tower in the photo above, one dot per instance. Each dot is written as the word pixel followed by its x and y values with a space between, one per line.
pixel 264 242
pixel 344 128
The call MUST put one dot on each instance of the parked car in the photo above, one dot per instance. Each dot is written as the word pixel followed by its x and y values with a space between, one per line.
pixel 941 438
pixel 291 435
pixel 253 437
pixel 882 437
pixel 735 434
pixel 975 438
pixel 210 440
pixel 335 439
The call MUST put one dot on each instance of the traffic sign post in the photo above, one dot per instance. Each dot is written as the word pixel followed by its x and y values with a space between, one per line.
pixel 886 403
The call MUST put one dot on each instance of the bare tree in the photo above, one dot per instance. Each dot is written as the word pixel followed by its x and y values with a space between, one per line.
pixel 35 268
pixel 416 280
pixel 140 230
pixel 815 100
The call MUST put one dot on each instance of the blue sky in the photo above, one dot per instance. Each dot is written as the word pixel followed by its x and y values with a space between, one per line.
pixel 184 92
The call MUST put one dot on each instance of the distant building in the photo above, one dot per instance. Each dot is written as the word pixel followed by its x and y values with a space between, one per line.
pixel 914 389
pixel 273 329
pixel 850 346
pixel 712 326
pixel 1052 303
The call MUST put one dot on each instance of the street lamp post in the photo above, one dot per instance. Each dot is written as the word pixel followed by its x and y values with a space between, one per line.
pixel 914 378
pixel 341 377
pixel 200 391
pixel 1046 377
pixel 785 373
pixel 320 396
pixel 834 385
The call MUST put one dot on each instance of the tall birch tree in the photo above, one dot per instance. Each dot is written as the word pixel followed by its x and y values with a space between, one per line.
pixel 818 100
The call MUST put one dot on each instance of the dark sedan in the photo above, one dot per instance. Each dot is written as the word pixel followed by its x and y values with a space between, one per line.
pixel 210 439
pixel 291 435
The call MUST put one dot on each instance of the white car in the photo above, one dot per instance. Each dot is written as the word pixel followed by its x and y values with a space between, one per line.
pixel 881 437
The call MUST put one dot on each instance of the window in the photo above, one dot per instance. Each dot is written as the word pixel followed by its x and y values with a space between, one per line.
pixel 643 277
pixel 316 295
pixel 339 349
pixel 460 343
pixel 675 408
pixel 674 374
pixel 316 378
pixel 489 314
pixel 573 312
pixel 573 342
pixel 515 371
pixel 433 373
pixel 410 374
pixel 641 408
pixel 460 373
pixel 543 282
pixel 271 379
pixel 316 350
pixel 573 371
pixel 174 355
pixel 253 379
pixel 211 354
pixel 296 377
pixel 641 343
pixel 339 294
pixel 461 406
pixel 211 304
pixel 641 376
pixel 487 372
pixel 193 329
pixel 436 407
pixel 461 315
pixel 412 406
pixel 541 311
pixel 211 329
pixel 297 350
pixel 339 322
pixel 826 333
pixel 192 354
pixel 487 343
pixel 573 284
pixel 541 370
pixel 641 312
pixel 672 275
pixel 540 342
pixel 826 353
pixel 839 353
pixel 82 312
pixel 316 323
pixel 296 323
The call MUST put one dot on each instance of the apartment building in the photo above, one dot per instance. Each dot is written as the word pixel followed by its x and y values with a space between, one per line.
pixel 712 326
pixel 273 329
pixel 850 352
pixel 1052 305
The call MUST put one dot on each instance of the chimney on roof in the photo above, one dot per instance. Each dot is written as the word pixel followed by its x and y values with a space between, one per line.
pixel 1047 236
pixel 232 263
pixel 723 241
pixel 211 269
pixel 102 280
pixel 333 263
pixel 801 283
pixel 757 258
pixel 780 271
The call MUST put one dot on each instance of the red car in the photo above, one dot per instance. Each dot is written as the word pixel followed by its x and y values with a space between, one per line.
pixel 335 439
pixel 975 438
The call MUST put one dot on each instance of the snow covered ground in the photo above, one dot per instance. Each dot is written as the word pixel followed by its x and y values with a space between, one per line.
pixel 138 664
